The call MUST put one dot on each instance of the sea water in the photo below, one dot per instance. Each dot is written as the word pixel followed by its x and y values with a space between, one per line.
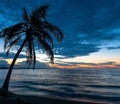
pixel 91 85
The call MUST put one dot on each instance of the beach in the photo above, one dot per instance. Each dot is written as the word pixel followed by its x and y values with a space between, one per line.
pixel 47 100
pixel 56 86
pixel 28 99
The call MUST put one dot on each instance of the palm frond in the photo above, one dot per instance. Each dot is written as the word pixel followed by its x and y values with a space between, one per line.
pixel 53 29
pixel 25 16
pixel 10 45
pixel 34 26
pixel 12 31
pixel 45 35
pixel 57 32
pixel 47 48
pixel 40 12
pixel 35 22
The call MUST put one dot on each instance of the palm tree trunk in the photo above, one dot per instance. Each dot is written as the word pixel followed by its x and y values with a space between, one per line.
pixel 7 79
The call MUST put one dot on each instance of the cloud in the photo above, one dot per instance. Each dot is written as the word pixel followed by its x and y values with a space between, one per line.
pixel 110 48
pixel 11 55
pixel 76 64
pixel 86 63
pixel 76 49
pixel 24 64
pixel 3 63
pixel 107 63
pixel 86 24
pixel 91 21
pixel 11 11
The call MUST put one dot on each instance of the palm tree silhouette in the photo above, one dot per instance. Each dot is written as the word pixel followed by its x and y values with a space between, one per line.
pixel 34 28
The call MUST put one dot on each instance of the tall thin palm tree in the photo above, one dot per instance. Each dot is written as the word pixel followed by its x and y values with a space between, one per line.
pixel 34 29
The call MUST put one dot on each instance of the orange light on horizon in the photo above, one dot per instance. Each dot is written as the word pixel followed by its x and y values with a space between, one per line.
pixel 17 61
pixel 63 65
pixel 85 66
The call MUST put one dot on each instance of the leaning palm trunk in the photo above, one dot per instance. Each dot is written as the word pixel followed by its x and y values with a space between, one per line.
pixel 35 28
pixel 7 79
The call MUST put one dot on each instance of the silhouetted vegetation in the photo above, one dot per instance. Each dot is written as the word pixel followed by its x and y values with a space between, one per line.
pixel 34 29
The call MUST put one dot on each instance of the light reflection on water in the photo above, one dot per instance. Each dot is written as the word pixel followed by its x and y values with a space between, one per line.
pixel 98 85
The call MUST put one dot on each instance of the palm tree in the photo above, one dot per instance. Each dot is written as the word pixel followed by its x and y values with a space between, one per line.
pixel 34 29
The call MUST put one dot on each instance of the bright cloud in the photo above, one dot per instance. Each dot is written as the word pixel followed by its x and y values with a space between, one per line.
pixel 91 28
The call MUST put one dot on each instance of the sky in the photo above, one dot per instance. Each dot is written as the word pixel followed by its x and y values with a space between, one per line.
pixel 91 31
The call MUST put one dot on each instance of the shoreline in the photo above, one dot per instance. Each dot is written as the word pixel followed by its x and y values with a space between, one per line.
pixel 30 99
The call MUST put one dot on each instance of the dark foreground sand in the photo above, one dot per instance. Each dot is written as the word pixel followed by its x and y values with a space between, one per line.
pixel 11 98
pixel 27 99
pixel 46 100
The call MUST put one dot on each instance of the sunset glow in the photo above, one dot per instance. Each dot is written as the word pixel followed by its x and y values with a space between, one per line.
pixel 88 42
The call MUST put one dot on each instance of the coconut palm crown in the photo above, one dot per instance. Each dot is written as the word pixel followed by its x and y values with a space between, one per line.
pixel 34 29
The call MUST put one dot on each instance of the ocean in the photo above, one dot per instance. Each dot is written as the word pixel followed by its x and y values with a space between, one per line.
pixel 91 85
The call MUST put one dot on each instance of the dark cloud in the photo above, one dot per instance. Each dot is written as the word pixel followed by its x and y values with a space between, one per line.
pixel 24 64
pixel 76 63
pixel 3 63
pixel 107 63
pixel 87 21
pixel 110 48
pixel 11 55
pixel 86 24
pixel 87 64
pixel 11 11
pixel 73 49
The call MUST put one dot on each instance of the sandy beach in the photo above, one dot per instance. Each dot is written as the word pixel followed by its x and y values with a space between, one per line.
pixel 45 100
pixel 28 99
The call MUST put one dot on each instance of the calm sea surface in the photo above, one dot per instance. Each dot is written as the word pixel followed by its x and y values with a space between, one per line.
pixel 94 85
